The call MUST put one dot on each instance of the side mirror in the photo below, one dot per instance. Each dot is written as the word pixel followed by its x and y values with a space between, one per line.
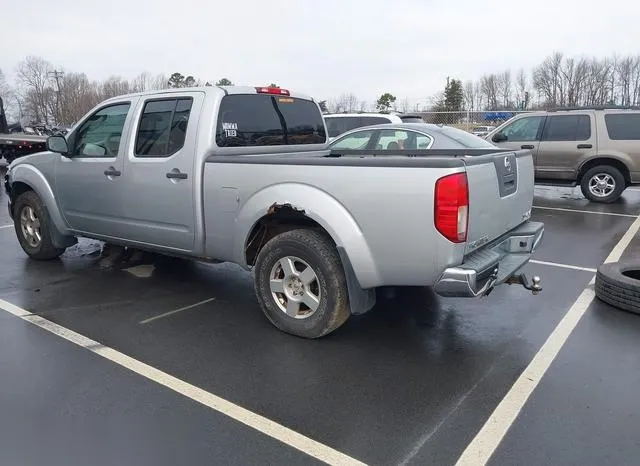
pixel 499 137
pixel 57 144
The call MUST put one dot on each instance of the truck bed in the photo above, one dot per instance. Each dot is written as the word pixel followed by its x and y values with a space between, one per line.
pixel 386 197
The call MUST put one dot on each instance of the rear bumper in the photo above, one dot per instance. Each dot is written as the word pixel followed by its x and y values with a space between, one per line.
pixel 492 265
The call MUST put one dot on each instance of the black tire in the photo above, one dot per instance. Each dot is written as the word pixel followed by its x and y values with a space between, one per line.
pixel 620 183
pixel 320 254
pixel 618 284
pixel 45 250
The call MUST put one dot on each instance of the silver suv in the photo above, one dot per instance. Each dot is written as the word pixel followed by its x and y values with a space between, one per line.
pixel 597 148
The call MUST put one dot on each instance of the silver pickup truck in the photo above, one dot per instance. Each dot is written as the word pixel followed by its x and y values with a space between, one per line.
pixel 245 175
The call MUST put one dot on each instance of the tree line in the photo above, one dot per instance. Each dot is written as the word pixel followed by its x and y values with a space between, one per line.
pixel 559 81
pixel 43 94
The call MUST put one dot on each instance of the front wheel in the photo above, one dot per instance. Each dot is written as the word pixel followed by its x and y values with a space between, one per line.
pixel 300 284
pixel 33 227
pixel 603 183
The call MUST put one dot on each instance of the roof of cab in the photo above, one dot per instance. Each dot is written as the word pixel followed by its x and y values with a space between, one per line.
pixel 207 90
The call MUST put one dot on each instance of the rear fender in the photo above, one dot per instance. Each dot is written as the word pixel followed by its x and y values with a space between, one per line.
pixel 614 158
pixel 320 207
pixel 32 177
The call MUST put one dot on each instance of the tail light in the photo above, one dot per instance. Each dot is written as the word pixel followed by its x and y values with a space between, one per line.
pixel 451 212
pixel 272 90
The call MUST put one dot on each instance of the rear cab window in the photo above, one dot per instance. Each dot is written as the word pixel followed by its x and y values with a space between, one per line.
pixel 623 127
pixel 252 120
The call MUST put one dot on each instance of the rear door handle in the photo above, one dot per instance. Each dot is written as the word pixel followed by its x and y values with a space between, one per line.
pixel 177 175
pixel 585 146
pixel 112 172
pixel 527 146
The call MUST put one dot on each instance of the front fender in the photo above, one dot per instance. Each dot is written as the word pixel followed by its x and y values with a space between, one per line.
pixel 32 177
pixel 319 206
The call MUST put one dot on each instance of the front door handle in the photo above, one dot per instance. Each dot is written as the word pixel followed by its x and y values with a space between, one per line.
pixel 177 175
pixel 112 172
pixel 527 146
pixel 585 146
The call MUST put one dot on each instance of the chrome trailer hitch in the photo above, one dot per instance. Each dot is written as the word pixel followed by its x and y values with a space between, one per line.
pixel 521 279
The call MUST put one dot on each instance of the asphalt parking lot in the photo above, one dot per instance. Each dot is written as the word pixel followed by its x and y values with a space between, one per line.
pixel 412 382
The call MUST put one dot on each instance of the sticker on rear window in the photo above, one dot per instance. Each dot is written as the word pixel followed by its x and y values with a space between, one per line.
pixel 285 100
pixel 230 129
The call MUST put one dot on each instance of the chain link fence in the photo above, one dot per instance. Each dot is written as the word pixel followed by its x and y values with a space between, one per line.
pixel 470 120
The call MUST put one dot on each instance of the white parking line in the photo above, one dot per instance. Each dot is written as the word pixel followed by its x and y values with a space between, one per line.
pixel 2 227
pixel 479 451
pixel 564 266
pixel 562 209
pixel 166 314
pixel 255 421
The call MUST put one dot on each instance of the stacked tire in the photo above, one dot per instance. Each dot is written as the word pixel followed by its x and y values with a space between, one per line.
pixel 618 284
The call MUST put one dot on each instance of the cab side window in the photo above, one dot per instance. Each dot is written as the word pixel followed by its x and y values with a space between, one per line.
pixel 567 128
pixel 523 129
pixel 163 127
pixel 99 136
pixel 357 140
pixel 391 139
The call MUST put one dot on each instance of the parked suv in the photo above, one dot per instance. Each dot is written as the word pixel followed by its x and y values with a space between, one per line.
pixel 597 148
pixel 340 123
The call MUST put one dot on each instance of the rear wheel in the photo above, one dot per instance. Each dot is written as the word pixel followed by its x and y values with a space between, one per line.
pixel 603 183
pixel 300 284
pixel 33 227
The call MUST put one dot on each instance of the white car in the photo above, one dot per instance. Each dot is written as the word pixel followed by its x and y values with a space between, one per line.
pixel 339 123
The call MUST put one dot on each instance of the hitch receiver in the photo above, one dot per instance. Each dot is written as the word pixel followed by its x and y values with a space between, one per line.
pixel 521 279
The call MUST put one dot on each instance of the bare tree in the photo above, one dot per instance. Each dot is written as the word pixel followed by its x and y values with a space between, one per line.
pixel 79 95
pixel 635 81
pixel 490 88
pixel 351 102
pixel 142 82
pixel 521 87
pixel 33 77
pixel 505 88
pixel 363 105
pixel 546 77
pixel 9 98
pixel 470 96
pixel 113 87
pixel 404 105
pixel 345 103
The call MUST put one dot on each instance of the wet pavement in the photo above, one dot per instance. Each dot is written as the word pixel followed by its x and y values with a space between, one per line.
pixel 412 381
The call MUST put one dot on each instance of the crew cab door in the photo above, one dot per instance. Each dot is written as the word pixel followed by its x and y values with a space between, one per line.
pixel 88 180
pixel 160 171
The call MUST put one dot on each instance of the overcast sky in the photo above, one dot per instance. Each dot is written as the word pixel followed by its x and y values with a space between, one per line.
pixel 322 48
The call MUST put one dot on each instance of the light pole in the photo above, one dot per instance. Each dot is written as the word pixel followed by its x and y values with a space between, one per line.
pixel 57 75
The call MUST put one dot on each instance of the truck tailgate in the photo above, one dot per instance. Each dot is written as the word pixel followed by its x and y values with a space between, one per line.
pixel 500 195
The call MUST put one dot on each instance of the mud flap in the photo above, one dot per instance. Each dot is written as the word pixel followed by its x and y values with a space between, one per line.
pixel 360 300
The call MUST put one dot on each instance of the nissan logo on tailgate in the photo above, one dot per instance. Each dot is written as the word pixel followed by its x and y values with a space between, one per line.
pixel 507 163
